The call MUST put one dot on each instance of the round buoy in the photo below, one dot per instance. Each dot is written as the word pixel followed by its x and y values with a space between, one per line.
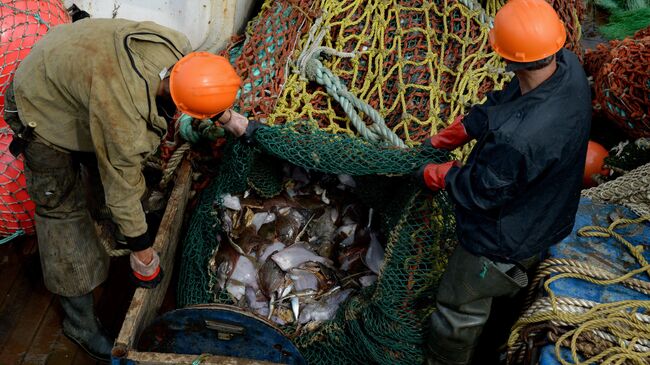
pixel 16 209
pixel 596 154
pixel 22 23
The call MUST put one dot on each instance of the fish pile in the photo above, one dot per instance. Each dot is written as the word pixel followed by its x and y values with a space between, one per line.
pixel 295 258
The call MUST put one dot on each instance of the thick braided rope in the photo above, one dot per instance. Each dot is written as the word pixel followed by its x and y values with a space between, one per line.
pixel 106 240
pixel 483 16
pixel 555 266
pixel 112 252
pixel 173 163
pixel 316 71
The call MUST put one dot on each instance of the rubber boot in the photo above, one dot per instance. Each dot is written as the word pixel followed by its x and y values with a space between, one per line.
pixel 82 327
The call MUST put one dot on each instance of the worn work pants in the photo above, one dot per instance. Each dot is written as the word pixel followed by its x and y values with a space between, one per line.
pixel 73 261
pixel 463 304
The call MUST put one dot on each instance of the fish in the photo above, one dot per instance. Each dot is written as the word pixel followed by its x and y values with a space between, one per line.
pixel 303 279
pixel 265 251
pixel 289 224
pixel 261 218
pixel 367 280
pixel 295 308
pixel 374 257
pixel 347 180
pixel 250 241
pixel 256 302
pixel 270 278
pixel 323 228
pixel 245 272
pixel 325 308
pixel 231 202
pixel 350 258
pixel 295 255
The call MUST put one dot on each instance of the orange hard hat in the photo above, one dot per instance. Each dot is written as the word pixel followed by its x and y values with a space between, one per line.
pixel 596 154
pixel 203 85
pixel 527 31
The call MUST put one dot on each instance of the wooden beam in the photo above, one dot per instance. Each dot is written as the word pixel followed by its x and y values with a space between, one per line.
pixel 146 302
pixel 151 358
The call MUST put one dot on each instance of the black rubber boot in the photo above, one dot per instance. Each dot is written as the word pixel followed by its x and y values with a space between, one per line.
pixel 82 327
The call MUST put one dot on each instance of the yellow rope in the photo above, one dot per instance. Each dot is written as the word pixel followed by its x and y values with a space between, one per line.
pixel 618 318
pixel 607 232
pixel 375 32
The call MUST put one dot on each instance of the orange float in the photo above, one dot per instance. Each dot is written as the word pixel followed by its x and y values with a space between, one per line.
pixel 596 154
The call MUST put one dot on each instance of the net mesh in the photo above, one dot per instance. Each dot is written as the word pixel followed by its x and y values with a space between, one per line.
pixel 22 23
pixel 621 76
pixel 418 64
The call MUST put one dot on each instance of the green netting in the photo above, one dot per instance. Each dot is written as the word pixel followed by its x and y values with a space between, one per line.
pixel 316 149
pixel 626 17
pixel 204 228
pixel 624 23
pixel 382 324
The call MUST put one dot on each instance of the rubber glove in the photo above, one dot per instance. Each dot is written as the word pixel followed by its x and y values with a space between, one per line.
pixel 433 175
pixel 147 275
pixel 451 137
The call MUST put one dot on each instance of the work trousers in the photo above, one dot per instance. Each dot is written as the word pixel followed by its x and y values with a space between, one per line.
pixel 72 258
pixel 463 304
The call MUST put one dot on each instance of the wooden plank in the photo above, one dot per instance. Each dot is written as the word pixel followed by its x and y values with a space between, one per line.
pixel 63 352
pixel 12 257
pixel 23 315
pixel 146 302
pixel 157 358
pixel 48 333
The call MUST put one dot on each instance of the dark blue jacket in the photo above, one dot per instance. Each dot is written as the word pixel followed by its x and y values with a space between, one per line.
pixel 518 192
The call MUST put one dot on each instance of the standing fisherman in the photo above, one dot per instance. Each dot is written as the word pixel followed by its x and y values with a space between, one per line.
pixel 519 190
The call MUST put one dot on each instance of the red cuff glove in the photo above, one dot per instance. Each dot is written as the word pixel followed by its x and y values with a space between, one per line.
pixel 434 174
pixel 451 137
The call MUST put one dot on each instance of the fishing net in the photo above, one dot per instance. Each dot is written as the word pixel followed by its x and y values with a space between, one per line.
pixel 22 23
pixel 342 84
pixel 625 17
pixel 572 13
pixel 621 76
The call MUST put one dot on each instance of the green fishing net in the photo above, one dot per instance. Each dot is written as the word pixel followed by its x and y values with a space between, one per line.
pixel 383 323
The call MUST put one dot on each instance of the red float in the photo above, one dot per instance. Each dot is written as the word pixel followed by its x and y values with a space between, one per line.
pixel 22 23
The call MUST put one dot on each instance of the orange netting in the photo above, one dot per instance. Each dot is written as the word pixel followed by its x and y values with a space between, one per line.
pixel 621 74
pixel 572 13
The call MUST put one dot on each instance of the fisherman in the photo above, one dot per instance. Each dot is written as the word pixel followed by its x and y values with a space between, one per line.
pixel 93 95
pixel 518 192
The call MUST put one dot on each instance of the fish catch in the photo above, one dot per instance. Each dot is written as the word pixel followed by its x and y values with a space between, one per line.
pixel 293 259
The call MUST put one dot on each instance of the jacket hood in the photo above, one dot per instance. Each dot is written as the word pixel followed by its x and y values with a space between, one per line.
pixel 150 49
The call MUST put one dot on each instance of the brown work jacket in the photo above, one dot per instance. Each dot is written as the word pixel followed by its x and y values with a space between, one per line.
pixel 90 86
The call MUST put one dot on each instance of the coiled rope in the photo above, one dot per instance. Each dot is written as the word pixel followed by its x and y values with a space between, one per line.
pixel 631 190
pixel 623 326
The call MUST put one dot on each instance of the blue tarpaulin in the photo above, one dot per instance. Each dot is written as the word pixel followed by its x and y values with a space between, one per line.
pixel 603 253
